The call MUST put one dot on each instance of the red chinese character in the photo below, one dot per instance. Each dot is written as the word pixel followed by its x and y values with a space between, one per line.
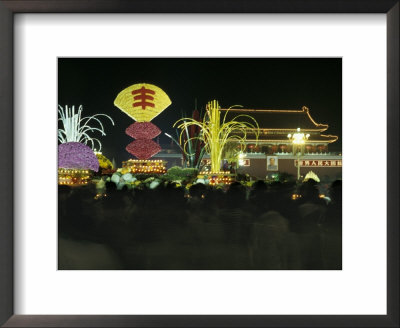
pixel 143 96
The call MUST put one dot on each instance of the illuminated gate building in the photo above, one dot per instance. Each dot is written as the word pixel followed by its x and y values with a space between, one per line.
pixel 275 125
pixel 273 152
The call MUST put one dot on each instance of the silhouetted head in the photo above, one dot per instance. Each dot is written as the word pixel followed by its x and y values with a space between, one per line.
pixel 111 186
pixel 236 194
pixel 198 190
pixel 274 222
pixel 259 185
pixel 309 190
pixel 335 191
pixel 64 190
pixel 124 188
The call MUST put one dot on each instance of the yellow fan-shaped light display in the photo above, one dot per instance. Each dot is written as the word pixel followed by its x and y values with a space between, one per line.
pixel 142 101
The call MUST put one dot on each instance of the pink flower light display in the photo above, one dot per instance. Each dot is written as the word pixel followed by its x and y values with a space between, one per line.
pixel 143 148
pixel 142 130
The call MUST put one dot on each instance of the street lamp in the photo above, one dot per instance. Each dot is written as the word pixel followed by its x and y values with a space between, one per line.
pixel 298 140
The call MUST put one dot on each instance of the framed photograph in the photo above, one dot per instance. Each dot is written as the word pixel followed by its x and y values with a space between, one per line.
pixel 272 163
pixel 134 195
pixel 118 207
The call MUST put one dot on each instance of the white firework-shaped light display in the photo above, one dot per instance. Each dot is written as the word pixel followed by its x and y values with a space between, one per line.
pixel 77 128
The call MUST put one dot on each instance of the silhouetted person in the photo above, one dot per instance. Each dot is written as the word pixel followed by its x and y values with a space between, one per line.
pixel 274 246
pixel 332 229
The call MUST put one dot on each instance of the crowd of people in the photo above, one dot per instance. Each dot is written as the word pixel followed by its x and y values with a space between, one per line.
pixel 203 228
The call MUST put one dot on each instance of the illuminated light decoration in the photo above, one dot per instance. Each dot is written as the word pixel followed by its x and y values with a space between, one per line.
pixel 298 140
pixel 218 177
pixel 73 177
pixel 76 128
pixel 142 102
pixel 142 130
pixel 241 159
pixel 296 196
pixel 311 175
pixel 98 196
pixel 334 138
pixel 77 156
pixel 304 109
pixel 145 166
pixel 217 133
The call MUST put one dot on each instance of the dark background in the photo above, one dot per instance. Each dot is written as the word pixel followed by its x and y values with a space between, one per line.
pixel 259 83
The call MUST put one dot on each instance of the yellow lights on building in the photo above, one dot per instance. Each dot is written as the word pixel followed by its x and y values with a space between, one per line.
pixel 275 125
pixel 304 109
pixel 241 157
pixel 145 166
pixel 298 138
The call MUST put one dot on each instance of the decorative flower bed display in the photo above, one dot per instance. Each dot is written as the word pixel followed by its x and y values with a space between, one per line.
pixel 75 155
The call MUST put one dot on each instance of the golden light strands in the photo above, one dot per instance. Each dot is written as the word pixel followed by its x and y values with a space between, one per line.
pixel 216 134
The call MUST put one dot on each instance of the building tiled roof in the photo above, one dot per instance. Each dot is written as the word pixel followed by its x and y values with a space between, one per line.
pixel 277 119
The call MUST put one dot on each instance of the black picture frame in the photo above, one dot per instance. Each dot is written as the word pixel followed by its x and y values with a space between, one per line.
pixel 10 7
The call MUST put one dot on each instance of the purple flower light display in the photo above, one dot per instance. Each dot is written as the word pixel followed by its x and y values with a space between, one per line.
pixel 75 155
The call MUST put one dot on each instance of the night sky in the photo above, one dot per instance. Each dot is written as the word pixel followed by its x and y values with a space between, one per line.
pixel 259 83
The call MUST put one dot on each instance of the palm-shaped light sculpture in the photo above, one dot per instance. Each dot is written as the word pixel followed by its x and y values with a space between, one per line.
pixel 216 133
